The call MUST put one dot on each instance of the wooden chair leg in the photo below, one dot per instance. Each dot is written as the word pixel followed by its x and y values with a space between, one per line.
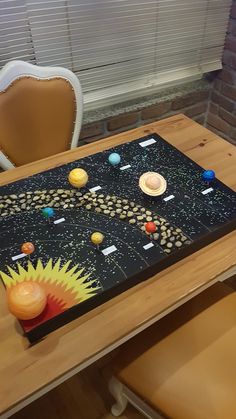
pixel 116 389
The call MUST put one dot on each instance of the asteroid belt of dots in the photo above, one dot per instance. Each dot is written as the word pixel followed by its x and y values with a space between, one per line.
pixel 167 236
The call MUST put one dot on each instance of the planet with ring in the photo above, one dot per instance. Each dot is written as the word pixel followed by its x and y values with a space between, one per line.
pixel 152 183
pixel 78 178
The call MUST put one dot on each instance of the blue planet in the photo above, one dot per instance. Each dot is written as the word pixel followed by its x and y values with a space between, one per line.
pixel 48 212
pixel 208 175
pixel 114 159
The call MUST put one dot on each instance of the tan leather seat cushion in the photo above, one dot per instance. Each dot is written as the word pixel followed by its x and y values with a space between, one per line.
pixel 36 118
pixel 185 365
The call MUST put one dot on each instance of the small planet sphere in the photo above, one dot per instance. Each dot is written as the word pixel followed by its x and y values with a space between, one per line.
pixel 208 175
pixel 26 300
pixel 78 178
pixel 48 212
pixel 27 248
pixel 153 182
pixel 114 159
pixel 150 227
pixel 97 238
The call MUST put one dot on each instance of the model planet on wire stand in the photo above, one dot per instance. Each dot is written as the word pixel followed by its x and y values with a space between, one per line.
pixel 78 178
pixel 150 227
pixel 114 159
pixel 27 248
pixel 26 300
pixel 152 184
pixel 208 175
pixel 48 212
pixel 97 239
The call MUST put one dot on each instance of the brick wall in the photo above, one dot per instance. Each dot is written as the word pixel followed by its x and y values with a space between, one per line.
pixel 221 115
pixel 193 105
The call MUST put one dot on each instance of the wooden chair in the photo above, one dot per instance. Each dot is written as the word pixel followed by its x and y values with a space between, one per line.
pixel 184 366
pixel 40 112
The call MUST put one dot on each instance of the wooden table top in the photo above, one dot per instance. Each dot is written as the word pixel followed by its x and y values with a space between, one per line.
pixel 25 370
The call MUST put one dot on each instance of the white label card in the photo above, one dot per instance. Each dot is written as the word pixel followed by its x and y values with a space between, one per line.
pixel 148 246
pixel 109 250
pixel 168 198
pixel 96 188
pixel 147 142
pixel 20 256
pixel 207 191
pixel 60 220
pixel 125 167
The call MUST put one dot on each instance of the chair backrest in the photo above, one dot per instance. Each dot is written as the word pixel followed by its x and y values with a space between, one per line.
pixel 40 112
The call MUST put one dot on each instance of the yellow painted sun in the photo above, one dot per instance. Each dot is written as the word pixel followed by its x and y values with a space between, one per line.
pixel 64 286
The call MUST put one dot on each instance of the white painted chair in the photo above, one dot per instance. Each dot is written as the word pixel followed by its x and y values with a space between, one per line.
pixel 182 367
pixel 124 395
pixel 41 112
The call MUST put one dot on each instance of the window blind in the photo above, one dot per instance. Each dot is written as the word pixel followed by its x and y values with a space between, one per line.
pixel 118 48
pixel 15 35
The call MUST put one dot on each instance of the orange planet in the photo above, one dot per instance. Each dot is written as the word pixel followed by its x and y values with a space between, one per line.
pixel 27 248
pixel 26 300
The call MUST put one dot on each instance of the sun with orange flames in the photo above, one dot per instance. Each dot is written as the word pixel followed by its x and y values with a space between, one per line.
pixel 65 285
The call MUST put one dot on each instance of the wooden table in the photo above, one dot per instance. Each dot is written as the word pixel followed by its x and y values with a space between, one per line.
pixel 28 372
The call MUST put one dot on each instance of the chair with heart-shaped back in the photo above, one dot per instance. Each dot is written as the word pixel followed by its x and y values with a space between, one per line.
pixel 40 112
